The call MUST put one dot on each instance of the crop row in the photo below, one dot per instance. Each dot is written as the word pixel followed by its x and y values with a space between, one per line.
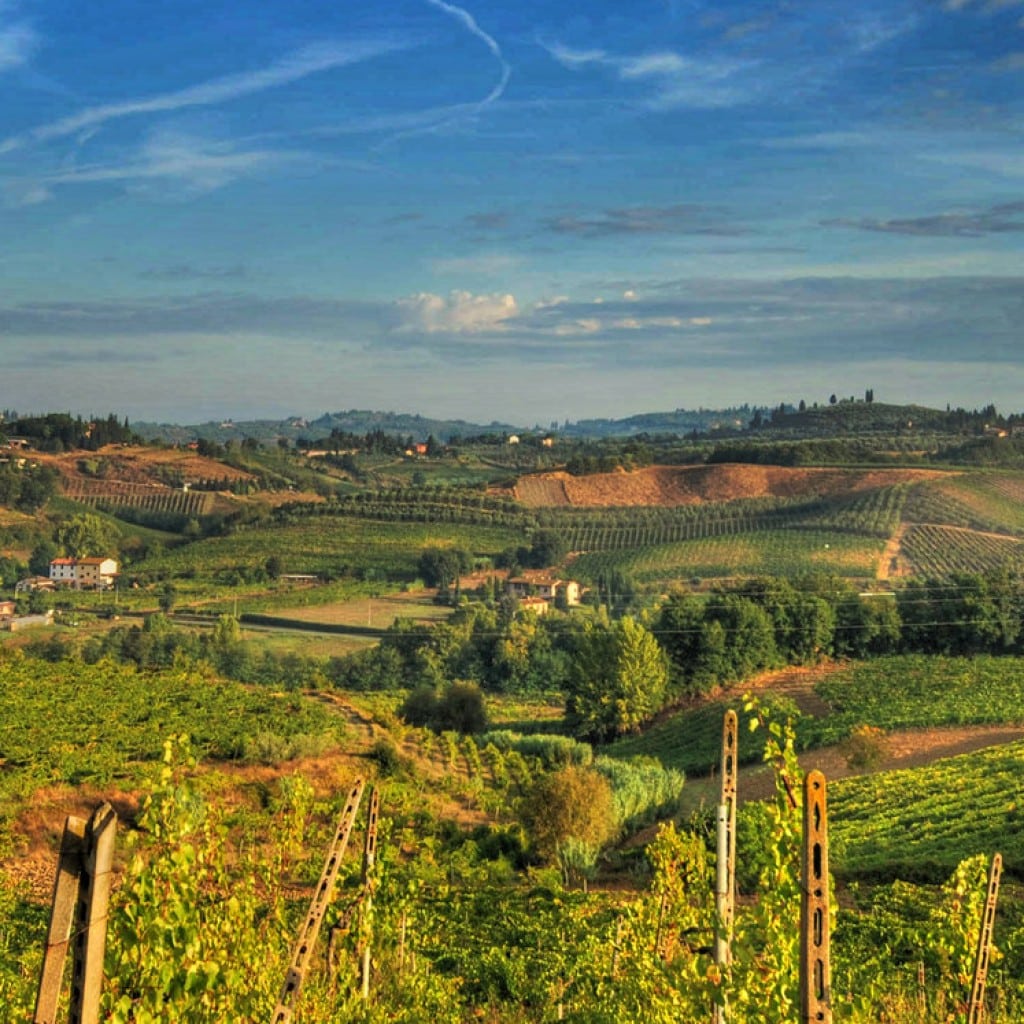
pixel 112 717
pixel 189 503
pixel 328 545
pixel 922 822
pixel 952 504
pixel 773 552
pixel 940 550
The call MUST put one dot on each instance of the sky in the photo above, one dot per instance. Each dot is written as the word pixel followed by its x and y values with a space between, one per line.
pixel 508 210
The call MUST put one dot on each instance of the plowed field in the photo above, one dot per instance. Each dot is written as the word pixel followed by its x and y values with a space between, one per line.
pixel 690 485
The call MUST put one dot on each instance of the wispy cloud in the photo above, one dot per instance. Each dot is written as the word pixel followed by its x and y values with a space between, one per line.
pixel 191 272
pixel 679 219
pixel 1009 63
pixel 308 61
pixel 189 164
pixel 1001 219
pixel 677 80
pixel 18 43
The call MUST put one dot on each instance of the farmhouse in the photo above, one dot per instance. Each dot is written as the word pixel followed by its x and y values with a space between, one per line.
pixel 84 573
pixel 537 605
pixel 537 583
pixel 6 611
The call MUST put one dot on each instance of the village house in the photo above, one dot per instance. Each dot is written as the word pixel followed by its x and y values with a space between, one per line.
pixel 538 583
pixel 30 583
pixel 94 573
pixel 537 605
pixel 6 611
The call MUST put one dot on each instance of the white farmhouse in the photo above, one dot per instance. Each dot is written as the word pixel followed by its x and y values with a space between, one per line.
pixel 84 573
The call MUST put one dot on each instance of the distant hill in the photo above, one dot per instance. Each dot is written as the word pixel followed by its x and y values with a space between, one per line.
pixel 362 421
pixel 827 420
pixel 354 421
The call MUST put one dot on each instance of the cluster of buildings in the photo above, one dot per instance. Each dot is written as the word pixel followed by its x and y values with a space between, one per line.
pixel 95 573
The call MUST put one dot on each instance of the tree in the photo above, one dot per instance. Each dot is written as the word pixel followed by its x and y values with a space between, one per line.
pixel 167 597
pixel 547 547
pixel 678 629
pixel 42 554
pixel 567 813
pixel 441 567
pixel 619 678
pixel 86 534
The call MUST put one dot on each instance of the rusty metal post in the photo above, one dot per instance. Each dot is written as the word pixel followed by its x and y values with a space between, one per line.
pixel 62 915
pixel 303 948
pixel 815 968
pixel 976 1007
pixel 725 869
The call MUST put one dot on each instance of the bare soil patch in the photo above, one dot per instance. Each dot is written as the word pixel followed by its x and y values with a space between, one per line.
pixel 691 485
pixel 142 465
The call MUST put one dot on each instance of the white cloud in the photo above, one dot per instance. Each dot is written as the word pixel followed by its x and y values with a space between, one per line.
pixel 584 325
pixel 461 312
pixel 192 163
pixel 679 81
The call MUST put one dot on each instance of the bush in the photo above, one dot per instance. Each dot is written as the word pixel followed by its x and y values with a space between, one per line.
pixel 459 709
pixel 864 748
pixel 387 758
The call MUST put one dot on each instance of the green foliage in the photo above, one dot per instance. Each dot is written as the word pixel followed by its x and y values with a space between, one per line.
pixel 113 719
pixel 460 708
pixel 919 824
pixel 569 816
pixel 619 680
pixel 441 567
pixel 551 750
pixel 87 535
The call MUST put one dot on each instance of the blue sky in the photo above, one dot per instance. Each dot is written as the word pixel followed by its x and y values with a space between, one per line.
pixel 508 210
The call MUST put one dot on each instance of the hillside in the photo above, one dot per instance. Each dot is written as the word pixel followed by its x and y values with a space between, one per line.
pixel 691 485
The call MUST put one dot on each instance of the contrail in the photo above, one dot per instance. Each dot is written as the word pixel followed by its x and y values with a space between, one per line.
pixel 309 61
pixel 469 21
pixel 462 110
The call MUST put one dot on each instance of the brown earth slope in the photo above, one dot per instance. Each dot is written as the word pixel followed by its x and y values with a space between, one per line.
pixel 690 485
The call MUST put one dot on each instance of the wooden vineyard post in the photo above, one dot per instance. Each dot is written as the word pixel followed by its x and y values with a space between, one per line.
pixel 62 915
pixel 976 1007
pixel 369 858
pixel 303 948
pixel 725 871
pixel 815 970
pixel 81 896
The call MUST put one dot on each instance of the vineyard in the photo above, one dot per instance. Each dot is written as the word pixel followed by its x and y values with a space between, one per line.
pixel 920 824
pixel 216 873
pixel 932 550
pixel 772 552
pixel 329 545
pixel 118 496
